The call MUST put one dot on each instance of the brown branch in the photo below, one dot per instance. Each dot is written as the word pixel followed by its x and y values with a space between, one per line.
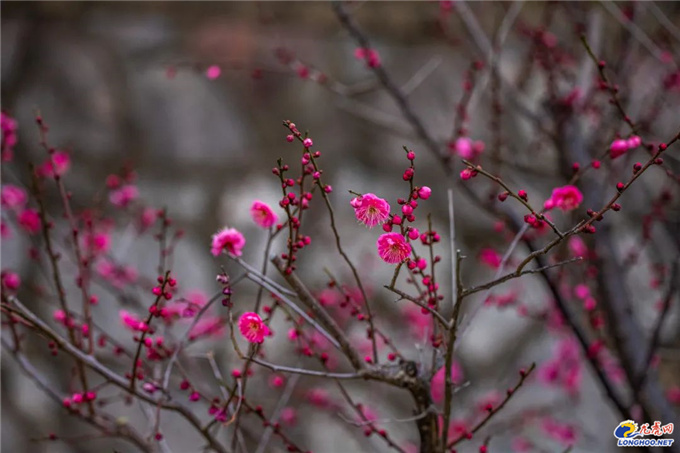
pixel 511 392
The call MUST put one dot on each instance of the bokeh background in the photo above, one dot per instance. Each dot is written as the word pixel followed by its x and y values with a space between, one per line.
pixel 125 84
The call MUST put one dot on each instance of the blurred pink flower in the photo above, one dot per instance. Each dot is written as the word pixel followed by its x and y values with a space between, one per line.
pixel 29 220
pixel 263 215
pixel 213 72
pixel 12 196
pixel 132 322
pixel 10 280
pixel 566 198
pixel 124 196
pixel 490 257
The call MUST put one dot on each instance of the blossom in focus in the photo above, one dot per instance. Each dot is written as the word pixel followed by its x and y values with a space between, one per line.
pixel 229 239
pixel 565 198
pixel 393 248
pixel 263 215
pixel 252 327
pixel 370 209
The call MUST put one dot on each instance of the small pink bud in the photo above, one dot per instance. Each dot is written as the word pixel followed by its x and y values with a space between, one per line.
pixel 424 192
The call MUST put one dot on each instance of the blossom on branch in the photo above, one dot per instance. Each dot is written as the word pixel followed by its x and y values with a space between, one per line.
pixel 393 248
pixel 263 215
pixel 370 209
pixel 229 239
pixel 252 327
pixel 566 198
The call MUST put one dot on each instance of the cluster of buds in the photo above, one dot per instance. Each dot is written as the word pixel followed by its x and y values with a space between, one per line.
pixel 78 398
pixel 408 206
pixel 223 279
pixel 295 203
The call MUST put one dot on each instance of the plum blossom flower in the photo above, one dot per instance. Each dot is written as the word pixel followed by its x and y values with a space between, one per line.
pixel 490 257
pixel 57 164
pixel 12 196
pixel 229 239
pixel 124 196
pixel 132 322
pixel 29 220
pixel 289 416
pixel 620 146
pixel 263 215
pixel 566 198
pixel 370 209
pixel 577 246
pixel 466 148
pixel 393 248
pixel 213 72
pixel 252 327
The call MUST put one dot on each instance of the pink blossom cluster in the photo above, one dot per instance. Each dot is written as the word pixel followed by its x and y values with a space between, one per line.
pixel 565 369
pixel 71 402
pixel 566 198
pixel 57 164
pixel 228 240
pixel 619 146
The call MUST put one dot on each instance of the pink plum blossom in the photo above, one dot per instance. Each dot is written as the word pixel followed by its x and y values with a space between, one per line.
pixel 57 164
pixel 490 257
pixel 29 220
pixel 252 327
pixel 393 248
pixel 370 209
pixel 229 240
pixel 566 198
pixel 12 196
pixel 124 196
pixel 263 215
